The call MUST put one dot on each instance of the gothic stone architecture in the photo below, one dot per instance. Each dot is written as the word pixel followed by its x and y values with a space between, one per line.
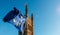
pixel 28 27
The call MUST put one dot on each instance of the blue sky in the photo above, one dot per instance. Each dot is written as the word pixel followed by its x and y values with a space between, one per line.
pixel 46 16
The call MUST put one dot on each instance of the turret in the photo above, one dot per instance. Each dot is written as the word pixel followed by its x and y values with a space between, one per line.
pixel 32 22
pixel 26 14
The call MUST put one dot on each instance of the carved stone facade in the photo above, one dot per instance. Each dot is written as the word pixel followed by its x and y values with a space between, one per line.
pixel 28 26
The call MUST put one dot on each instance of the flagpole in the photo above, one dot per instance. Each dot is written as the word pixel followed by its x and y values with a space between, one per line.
pixel 19 33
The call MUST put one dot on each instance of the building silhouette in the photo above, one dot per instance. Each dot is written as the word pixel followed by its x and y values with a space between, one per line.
pixel 28 26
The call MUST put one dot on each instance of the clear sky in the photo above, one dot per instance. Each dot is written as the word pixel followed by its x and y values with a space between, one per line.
pixel 46 16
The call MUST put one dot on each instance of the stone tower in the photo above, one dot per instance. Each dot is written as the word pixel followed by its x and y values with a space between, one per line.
pixel 28 28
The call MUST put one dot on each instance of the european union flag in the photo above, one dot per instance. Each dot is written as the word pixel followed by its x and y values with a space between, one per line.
pixel 15 18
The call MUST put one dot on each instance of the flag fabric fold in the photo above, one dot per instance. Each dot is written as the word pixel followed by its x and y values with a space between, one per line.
pixel 18 22
pixel 15 18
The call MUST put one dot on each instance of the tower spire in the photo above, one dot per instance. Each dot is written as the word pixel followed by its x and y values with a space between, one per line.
pixel 32 22
pixel 32 16
pixel 26 14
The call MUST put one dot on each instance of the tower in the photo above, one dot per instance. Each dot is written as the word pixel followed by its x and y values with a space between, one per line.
pixel 28 28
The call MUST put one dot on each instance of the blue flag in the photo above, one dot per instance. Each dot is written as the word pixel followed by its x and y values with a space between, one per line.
pixel 18 22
